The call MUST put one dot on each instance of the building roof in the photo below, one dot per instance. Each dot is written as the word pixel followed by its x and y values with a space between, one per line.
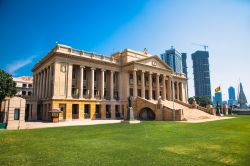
pixel 27 79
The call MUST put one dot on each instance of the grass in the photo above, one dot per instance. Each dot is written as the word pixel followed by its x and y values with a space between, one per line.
pixel 224 142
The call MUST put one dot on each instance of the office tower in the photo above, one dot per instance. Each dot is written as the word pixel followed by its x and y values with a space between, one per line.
pixel 184 63
pixel 231 95
pixel 217 98
pixel 174 59
pixel 201 74
pixel 242 100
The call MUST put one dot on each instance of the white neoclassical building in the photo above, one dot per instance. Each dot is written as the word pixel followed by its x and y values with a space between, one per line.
pixel 86 85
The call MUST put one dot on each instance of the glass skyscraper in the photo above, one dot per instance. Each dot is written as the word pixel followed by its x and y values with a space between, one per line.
pixel 217 98
pixel 184 63
pixel 231 95
pixel 174 59
pixel 201 74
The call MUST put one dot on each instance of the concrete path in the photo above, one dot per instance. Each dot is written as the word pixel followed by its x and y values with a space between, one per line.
pixel 34 125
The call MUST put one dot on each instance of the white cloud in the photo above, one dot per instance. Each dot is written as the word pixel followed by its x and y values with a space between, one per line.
pixel 16 65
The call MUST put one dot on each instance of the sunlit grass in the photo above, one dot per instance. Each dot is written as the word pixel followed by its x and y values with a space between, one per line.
pixel 224 142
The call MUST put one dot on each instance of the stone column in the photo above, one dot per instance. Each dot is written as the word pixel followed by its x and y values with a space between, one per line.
pixel 173 89
pixel 44 83
pixel 37 85
pixel 34 84
pixel 102 83
pixel 81 111
pixel 186 93
pixel 55 92
pixel 81 82
pixel 180 92
pixel 69 84
pixel 177 91
pixel 40 85
pixel 92 81
pixel 169 90
pixel 164 87
pixel 112 108
pixel 143 85
pixel 120 87
pixel 157 86
pixel 150 86
pixel 50 75
pixel 134 84
pixel 47 83
pixel 111 83
pixel 68 111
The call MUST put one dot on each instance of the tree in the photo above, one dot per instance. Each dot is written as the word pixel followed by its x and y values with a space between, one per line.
pixel 7 85
pixel 201 101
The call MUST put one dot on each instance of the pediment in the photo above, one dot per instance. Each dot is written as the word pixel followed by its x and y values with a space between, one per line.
pixel 154 61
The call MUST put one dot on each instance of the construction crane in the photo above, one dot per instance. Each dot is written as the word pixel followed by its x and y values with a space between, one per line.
pixel 205 46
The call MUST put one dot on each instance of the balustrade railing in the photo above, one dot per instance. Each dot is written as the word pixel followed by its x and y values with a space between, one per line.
pixel 87 54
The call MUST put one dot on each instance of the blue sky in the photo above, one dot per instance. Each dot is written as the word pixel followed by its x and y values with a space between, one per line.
pixel 30 28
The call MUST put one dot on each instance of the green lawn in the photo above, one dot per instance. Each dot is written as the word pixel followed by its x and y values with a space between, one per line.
pixel 225 142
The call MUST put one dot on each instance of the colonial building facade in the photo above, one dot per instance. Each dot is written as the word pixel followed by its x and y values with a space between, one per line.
pixel 85 85
pixel 24 86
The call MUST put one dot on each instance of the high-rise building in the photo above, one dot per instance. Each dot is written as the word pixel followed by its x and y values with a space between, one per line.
pixel 217 98
pixel 201 74
pixel 231 95
pixel 174 59
pixel 184 63
pixel 242 100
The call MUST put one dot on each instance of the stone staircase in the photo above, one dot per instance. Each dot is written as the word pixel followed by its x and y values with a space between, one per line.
pixel 189 113
pixel 183 111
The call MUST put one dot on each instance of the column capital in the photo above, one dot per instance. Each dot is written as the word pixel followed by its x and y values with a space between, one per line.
pixel 92 68
pixel 103 69
pixel 82 67
pixel 150 72
pixel 111 71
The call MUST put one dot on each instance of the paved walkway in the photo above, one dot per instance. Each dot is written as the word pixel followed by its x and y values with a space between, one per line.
pixel 34 125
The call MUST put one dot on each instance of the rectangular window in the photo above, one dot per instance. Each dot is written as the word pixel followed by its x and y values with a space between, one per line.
pixel 74 73
pixel 117 111
pixel 95 75
pixel 139 92
pixel 108 111
pixel 130 91
pixel 16 113
pixel 85 75
pixel 86 111
pixel 130 76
